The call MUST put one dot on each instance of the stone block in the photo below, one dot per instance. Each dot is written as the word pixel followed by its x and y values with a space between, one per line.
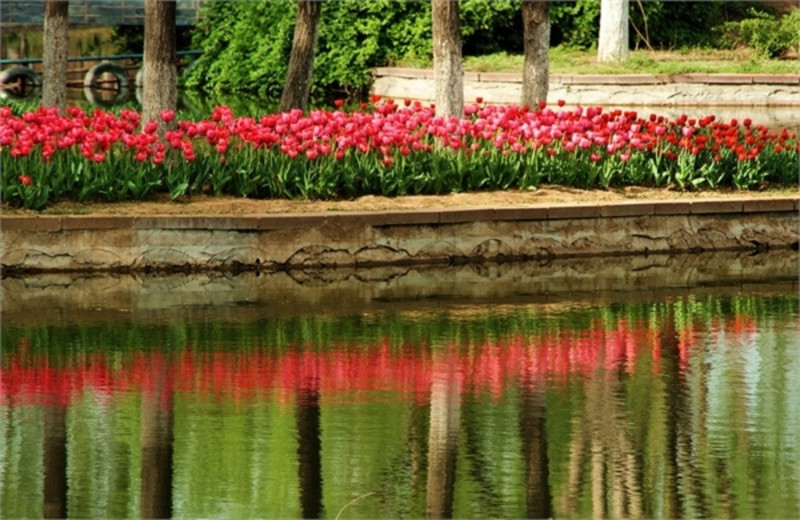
pixel 709 207
pixel 576 211
pixel 28 223
pixel 769 205
pixel 627 209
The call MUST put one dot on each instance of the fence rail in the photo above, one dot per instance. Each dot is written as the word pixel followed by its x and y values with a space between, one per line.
pixel 115 57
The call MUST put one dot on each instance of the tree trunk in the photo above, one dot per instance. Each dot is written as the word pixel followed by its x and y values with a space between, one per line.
pixel 54 80
pixel 612 45
pixel 536 35
pixel 160 89
pixel 448 71
pixel 297 89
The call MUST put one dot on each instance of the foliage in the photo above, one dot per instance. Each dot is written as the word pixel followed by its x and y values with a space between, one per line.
pixel 383 149
pixel 658 25
pixel 771 37
pixel 246 45
pixel 575 24
pixel 354 37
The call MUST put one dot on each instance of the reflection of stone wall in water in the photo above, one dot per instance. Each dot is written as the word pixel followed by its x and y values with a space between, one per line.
pixel 49 297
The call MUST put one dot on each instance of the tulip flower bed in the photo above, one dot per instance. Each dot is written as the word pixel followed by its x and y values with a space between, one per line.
pixel 384 148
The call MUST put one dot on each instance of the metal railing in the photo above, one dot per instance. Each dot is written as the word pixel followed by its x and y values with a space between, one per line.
pixel 115 57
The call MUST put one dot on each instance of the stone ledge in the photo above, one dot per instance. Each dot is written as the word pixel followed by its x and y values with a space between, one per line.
pixel 61 223
pixel 605 79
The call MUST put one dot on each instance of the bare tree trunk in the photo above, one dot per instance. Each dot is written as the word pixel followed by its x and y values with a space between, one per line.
pixel 448 72
pixel 536 68
pixel 612 45
pixel 160 89
pixel 297 89
pixel 56 24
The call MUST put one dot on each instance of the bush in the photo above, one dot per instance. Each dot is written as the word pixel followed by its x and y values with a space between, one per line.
pixel 769 36
pixel 246 45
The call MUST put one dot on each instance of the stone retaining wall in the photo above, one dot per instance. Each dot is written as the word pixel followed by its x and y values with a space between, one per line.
pixel 774 90
pixel 364 239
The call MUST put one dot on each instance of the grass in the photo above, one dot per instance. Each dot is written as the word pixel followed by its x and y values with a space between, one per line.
pixel 575 61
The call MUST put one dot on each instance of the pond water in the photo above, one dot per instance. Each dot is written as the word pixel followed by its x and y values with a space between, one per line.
pixel 351 395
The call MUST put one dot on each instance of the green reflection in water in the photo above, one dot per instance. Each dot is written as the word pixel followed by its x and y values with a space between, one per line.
pixel 687 407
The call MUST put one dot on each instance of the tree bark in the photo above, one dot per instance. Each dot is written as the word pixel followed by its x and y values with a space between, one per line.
pixel 297 89
pixel 54 79
pixel 160 88
pixel 448 72
pixel 612 45
pixel 536 36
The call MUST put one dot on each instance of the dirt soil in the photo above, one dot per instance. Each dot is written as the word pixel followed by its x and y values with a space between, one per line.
pixel 544 196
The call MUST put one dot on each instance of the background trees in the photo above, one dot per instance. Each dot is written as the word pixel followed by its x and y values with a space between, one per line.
pixel 355 36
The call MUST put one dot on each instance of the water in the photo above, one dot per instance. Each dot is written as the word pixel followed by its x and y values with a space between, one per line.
pixel 345 394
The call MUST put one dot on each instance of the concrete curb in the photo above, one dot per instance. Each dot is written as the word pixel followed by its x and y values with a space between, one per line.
pixel 376 238
pixel 608 90
pixel 605 79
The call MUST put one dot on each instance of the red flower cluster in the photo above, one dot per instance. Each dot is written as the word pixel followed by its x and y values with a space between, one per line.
pixel 385 128
pixel 324 153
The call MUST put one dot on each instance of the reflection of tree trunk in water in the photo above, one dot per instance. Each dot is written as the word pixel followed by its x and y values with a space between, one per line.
pixel 309 451
pixel 479 460
pixel 156 438
pixel 674 395
pixel 534 446
pixel 614 473
pixel 416 444
pixel 445 417
pixel 55 461
pixel 692 443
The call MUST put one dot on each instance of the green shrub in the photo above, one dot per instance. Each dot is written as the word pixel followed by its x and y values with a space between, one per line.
pixel 769 36
pixel 246 45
